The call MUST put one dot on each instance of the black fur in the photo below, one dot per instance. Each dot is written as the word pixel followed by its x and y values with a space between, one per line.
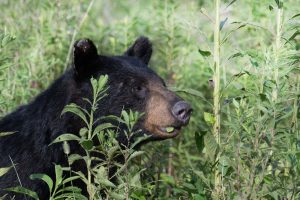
pixel 38 123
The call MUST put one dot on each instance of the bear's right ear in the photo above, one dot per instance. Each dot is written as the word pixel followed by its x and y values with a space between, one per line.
pixel 85 52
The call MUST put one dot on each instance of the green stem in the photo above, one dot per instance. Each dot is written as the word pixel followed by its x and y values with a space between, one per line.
pixel 216 96
pixel 277 48
pixel 89 161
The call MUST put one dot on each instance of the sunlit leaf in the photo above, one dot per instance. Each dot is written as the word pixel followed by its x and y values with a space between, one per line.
pixel 4 170
pixel 2 134
pixel 209 118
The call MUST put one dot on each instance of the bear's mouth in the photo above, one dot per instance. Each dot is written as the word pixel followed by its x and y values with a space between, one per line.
pixel 168 131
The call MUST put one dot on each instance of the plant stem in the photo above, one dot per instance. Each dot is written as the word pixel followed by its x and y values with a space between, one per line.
pixel 216 96
pixel 89 161
pixel 277 48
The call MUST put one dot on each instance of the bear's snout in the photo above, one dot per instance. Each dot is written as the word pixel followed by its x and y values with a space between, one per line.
pixel 182 112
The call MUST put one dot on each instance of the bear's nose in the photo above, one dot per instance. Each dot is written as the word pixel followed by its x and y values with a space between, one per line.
pixel 182 111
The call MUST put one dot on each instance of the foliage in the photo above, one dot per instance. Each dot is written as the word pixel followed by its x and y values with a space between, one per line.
pixel 259 87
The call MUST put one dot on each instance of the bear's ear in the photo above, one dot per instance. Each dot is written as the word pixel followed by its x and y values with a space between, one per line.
pixel 142 49
pixel 85 52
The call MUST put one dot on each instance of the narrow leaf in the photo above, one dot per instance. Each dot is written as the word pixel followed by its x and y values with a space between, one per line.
pixel 235 55
pixel 58 175
pixel 74 157
pixel 199 138
pixel 75 109
pixel 65 137
pixel 102 82
pixel 22 190
pixel 222 23
pixel 102 127
pixel 45 178
pixel 2 134
pixel 232 2
pixel 106 182
pixel 135 154
pixel 297 15
pixel 4 170
pixel 70 179
pixel 204 53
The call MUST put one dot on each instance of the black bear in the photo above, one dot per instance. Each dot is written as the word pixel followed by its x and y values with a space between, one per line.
pixel 132 85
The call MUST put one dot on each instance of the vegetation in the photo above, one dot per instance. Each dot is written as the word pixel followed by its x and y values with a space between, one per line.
pixel 236 62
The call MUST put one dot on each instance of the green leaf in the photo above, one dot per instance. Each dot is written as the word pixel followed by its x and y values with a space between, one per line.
pixel 102 127
pixel 168 179
pixel 204 53
pixel 210 145
pixel 94 85
pixel 106 182
pixel 135 154
pixel 297 15
pixel 235 103
pixel 74 157
pixel 22 190
pixel 135 181
pixel 170 129
pixel 203 177
pixel 235 55
pixel 58 175
pixel 271 8
pixel 111 152
pixel 232 2
pixel 294 36
pixel 222 23
pixel 72 189
pixel 65 137
pixel 83 132
pixel 4 170
pixel 125 116
pixel 45 178
pixel 70 179
pixel 102 82
pixel 71 195
pixel 279 3
pixel 87 144
pixel 102 173
pixel 2 134
pixel 75 109
pixel 117 196
pixel 199 138
pixel 209 118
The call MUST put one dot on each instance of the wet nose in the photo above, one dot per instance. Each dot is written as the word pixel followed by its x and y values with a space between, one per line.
pixel 182 111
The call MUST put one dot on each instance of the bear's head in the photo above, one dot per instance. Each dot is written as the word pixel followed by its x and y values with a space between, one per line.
pixel 132 85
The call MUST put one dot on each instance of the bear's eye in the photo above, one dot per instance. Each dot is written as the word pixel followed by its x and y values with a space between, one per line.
pixel 140 91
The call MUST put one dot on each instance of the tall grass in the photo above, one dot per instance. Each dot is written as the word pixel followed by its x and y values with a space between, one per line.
pixel 216 96
pixel 243 139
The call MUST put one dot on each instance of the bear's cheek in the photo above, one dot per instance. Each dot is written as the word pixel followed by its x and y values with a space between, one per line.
pixel 158 117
